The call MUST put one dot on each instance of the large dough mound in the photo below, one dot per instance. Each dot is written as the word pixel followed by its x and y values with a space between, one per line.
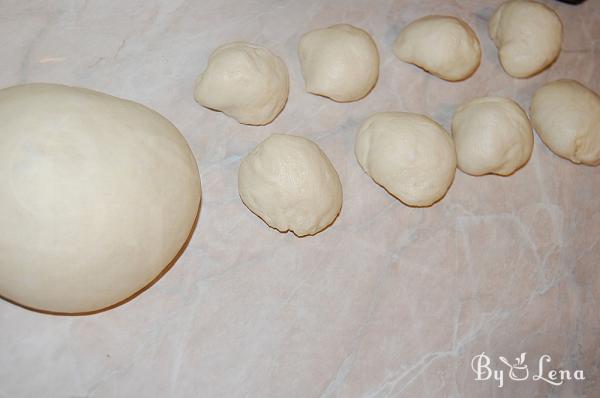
pixel 528 36
pixel 443 45
pixel 340 62
pixel 97 196
pixel 245 81
pixel 408 154
pixel 566 116
pixel 291 184
pixel 491 135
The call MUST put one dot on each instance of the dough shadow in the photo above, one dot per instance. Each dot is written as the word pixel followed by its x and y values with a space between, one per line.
pixel 431 74
pixel 515 170
pixel 318 232
pixel 247 124
pixel 544 69
pixel 350 101
pixel 131 297
pixel 416 206
pixel 289 230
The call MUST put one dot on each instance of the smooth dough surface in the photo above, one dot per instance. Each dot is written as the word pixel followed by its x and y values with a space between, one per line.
pixel 97 196
pixel 340 62
pixel 491 135
pixel 442 45
pixel 245 81
pixel 566 116
pixel 528 36
pixel 408 154
pixel 291 184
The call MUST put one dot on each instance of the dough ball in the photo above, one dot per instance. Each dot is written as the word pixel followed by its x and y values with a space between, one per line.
pixel 97 196
pixel 408 154
pixel 491 135
pixel 528 36
pixel 566 116
pixel 444 46
pixel 340 62
pixel 244 81
pixel 291 184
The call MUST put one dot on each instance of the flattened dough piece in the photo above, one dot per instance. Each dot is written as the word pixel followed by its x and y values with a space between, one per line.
pixel 566 116
pixel 291 184
pixel 408 154
pixel 340 62
pixel 442 45
pixel 97 196
pixel 528 36
pixel 245 81
pixel 491 135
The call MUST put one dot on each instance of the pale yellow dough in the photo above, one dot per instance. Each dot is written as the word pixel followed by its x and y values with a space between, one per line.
pixel 97 196
pixel 528 36
pixel 566 116
pixel 244 81
pixel 291 184
pixel 442 45
pixel 340 62
pixel 491 135
pixel 408 154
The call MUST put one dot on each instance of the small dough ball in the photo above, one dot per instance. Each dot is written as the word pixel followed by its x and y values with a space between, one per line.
pixel 528 36
pixel 97 196
pixel 340 62
pixel 444 46
pixel 244 81
pixel 408 154
pixel 566 116
pixel 291 184
pixel 491 135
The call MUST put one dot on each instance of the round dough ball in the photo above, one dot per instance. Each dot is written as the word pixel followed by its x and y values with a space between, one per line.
pixel 97 196
pixel 444 46
pixel 291 184
pixel 491 135
pixel 340 62
pixel 408 154
pixel 566 116
pixel 244 81
pixel 528 36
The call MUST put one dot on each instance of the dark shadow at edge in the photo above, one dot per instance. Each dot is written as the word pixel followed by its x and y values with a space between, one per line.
pixel 291 231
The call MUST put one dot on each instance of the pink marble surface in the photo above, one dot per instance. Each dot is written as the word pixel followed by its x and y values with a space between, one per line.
pixel 390 301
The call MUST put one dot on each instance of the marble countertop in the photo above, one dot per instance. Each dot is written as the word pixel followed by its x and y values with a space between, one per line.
pixel 391 301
